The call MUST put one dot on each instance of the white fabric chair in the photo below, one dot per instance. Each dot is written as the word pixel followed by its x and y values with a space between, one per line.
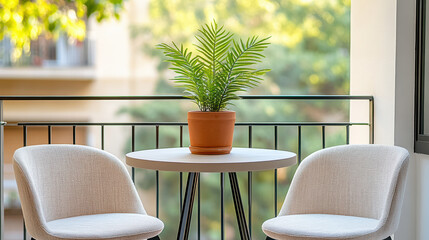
pixel 350 192
pixel 77 192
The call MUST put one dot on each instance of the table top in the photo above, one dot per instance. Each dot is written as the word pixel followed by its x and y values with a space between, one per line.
pixel 182 160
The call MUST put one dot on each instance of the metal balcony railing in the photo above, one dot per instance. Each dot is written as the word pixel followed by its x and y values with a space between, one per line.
pixel 180 133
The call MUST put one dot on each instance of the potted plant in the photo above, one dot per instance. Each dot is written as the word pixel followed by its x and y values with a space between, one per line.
pixel 212 79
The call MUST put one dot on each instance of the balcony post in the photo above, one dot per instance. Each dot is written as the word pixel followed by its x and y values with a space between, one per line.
pixel 1 172
pixel 371 121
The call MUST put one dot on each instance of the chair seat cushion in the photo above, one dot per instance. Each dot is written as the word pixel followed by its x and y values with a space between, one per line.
pixel 105 226
pixel 319 226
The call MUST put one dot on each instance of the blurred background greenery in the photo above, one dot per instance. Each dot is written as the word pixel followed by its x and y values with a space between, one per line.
pixel 309 55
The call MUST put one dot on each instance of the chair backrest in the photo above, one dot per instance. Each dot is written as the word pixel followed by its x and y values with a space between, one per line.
pixel 60 181
pixel 353 180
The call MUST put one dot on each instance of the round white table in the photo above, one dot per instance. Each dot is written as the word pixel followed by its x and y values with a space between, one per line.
pixel 181 160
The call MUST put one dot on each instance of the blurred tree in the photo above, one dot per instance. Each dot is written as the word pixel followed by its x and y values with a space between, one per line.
pixel 310 39
pixel 25 20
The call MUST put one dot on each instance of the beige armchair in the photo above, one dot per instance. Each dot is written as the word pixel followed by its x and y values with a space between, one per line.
pixel 352 192
pixel 78 192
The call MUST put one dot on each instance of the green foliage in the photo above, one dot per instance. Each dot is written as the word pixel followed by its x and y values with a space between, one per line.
pixel 23 20
pixel 309 51
pixel 223 68
pixel 310 39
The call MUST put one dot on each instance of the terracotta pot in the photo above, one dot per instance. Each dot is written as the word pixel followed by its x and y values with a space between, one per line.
pixel 211 132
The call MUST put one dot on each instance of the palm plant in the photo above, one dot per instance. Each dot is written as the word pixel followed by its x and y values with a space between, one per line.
pixel 223 67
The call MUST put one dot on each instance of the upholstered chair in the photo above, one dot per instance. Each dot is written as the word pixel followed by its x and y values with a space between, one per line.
pixel 352 192
pixel 77 192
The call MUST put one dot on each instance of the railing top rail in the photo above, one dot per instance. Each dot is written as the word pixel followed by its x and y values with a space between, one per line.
pixel 182 123
pixel 178 97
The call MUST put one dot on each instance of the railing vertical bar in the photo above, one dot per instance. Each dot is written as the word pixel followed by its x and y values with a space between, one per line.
pixel 102 137
pixel 222 206
pixel 157 193
pixel 276 138
pixel 276 145
pixel 371 121
pixel 157 172
pixel 323 136
pixel 181 190
pixel 181 173
pixel 199 208
pixel 24 137
pixel 133 148
pixel 74 134
pixel 299 144
pixel 181 136
pixel 157 136
pixel 250 136
pixel 347 134
pixel 249 186
pixel 49 134
pixel 1 171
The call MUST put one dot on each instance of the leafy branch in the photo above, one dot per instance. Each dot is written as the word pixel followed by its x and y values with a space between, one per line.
pixel 22 21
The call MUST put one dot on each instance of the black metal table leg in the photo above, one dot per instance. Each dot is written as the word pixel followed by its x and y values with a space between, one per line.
pixel 185 218
pixel 239 211
pixel 154 238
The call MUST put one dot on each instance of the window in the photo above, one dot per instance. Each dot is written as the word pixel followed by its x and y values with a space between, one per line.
pixel 422 81
pixel 50 53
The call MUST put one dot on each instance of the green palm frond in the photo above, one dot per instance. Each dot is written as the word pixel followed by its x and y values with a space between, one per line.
pixel 214 44
pixel 238 72
pixel 189 71
pixel 223 68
